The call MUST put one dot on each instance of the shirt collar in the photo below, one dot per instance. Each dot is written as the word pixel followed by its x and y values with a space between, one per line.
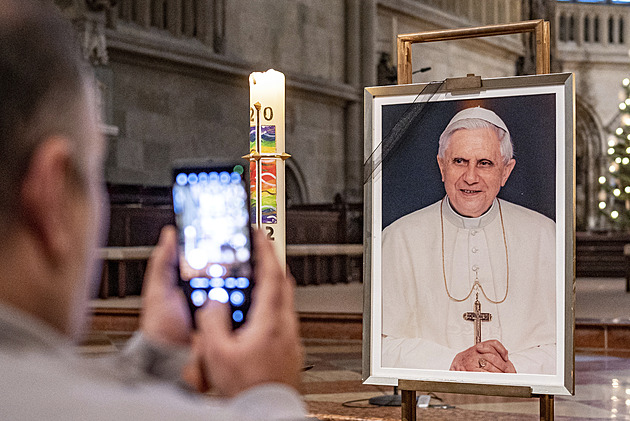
pixel 21 331
pixel 469 223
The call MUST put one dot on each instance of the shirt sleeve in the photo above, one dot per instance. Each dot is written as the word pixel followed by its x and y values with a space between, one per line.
pixel 148 376
pixel 143 360
pixel 269 402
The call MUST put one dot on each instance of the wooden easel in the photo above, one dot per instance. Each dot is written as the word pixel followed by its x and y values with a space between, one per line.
pixel 541 29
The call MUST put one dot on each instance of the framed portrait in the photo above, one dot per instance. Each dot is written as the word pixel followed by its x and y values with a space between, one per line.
pixel 469 233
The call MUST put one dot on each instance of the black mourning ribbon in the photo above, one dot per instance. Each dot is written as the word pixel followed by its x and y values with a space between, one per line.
pixel 414 114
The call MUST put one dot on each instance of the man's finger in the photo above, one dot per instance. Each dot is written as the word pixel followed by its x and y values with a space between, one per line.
pixel 161 267
pixel 493 345
pixel 494 363
pixel 268 291
pixel 214 326
pixel 510 368
pixel 194 372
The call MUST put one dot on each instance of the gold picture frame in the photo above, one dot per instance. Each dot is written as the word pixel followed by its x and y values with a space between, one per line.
pixel 524 98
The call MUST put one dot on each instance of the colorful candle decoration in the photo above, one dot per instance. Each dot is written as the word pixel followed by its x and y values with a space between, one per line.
pixel 267 155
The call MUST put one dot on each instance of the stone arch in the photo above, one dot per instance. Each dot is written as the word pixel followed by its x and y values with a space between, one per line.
pixel 590 158
pixel 296 189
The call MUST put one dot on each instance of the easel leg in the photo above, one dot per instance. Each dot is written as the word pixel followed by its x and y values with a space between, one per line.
pixel 546 407
pixel 408 405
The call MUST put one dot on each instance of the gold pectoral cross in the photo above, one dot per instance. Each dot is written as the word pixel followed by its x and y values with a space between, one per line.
pixel 477 316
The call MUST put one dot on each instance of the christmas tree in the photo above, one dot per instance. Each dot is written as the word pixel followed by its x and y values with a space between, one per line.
pixel 614 198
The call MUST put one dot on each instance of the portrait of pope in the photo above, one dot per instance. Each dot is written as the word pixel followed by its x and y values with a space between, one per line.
pixel 469 280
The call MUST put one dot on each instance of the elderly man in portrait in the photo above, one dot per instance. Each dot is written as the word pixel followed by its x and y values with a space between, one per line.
pixel 469 281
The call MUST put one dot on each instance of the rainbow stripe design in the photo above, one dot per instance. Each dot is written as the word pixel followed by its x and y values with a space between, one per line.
pixel 267 139
pixel 268 179
pixel 269 204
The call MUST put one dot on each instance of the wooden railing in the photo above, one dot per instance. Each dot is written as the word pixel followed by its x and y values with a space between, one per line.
pixel 314 264
pixel 121 256
pixel 309 264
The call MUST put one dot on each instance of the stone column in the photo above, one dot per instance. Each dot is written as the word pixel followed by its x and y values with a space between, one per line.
pixel 360 72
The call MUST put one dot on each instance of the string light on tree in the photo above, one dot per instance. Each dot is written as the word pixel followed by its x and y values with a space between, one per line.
pixel 614 195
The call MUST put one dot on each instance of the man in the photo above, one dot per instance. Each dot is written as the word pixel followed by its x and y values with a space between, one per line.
pixel 468 247
pixel 51 201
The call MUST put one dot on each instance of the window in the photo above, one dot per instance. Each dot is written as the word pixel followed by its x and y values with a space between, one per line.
pixel 563 28
pixel 159 14
pixel 611 30
pixel 179 17
pixel 587 29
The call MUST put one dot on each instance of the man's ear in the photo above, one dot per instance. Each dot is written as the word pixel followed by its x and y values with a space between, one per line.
pixel 45 196
pixel 507 170
pixel 440 162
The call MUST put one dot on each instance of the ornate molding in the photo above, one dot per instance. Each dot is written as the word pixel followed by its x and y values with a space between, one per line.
pixel 93 42
pixel 89 19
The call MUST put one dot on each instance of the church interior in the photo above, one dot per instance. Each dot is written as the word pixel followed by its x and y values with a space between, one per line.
pixel 173 83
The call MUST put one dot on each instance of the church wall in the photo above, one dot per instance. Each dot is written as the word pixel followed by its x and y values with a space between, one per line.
pixel 174 97
pixel 177 83
pixel 163 116
pixel 299 37
pixel 600 86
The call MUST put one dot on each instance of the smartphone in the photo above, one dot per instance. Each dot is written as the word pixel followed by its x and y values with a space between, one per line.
pixel 211 207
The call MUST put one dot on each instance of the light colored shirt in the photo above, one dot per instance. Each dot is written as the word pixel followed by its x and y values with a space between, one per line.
pixel 42 379
pixel 424 328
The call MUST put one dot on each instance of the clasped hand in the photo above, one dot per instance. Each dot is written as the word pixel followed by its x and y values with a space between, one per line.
pixel 487 356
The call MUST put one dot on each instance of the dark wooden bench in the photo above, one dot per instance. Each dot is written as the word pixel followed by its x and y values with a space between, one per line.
pixel 605 255
pixel 601 254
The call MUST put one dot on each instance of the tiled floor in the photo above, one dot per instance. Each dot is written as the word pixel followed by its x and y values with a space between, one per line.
pixel 602 379
pixel 602 390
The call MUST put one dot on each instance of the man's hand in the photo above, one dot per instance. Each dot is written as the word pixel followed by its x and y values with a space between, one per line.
pixel 490 356
pixel 165 316
pixel 267 348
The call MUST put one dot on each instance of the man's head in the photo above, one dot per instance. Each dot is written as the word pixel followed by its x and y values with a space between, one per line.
pixel 475 159
pixel 50 177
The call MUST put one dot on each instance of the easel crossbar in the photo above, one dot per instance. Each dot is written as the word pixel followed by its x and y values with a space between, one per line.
pixel 539 27
pixel 466 388
pixel 463 33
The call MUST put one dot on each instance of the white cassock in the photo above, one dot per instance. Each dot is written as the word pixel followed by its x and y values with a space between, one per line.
pixel 423 328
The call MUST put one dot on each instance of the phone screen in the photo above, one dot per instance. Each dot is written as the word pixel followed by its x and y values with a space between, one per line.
pixel 215 249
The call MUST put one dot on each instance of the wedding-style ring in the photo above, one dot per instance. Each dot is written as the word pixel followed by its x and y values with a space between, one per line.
pixel 482 363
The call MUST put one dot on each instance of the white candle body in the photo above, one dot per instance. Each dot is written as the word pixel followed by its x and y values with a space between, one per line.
pixel 267 129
